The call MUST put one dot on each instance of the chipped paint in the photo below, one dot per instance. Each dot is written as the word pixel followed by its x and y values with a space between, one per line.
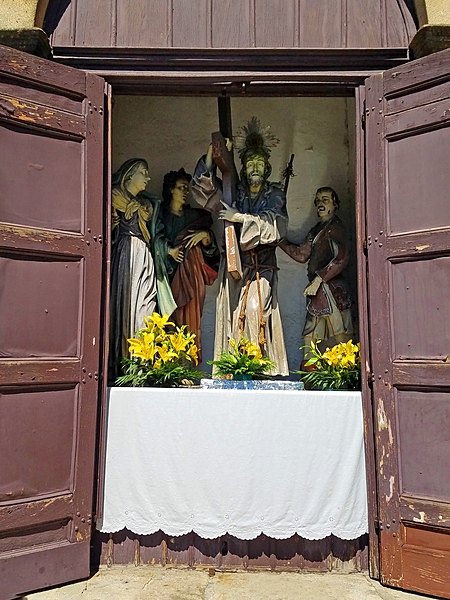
pixel 79 537
pixel 391 437
pixel 383 455
pixel 391 489
pixel 37 167
pixel 419 248
pixel 381 416
pixel 31 234
pixel 49 502
pixel 422 518
pixel 40 115
pixel 18 65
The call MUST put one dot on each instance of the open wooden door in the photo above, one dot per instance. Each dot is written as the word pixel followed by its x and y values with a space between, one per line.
pixel 51 210
pixel 408 242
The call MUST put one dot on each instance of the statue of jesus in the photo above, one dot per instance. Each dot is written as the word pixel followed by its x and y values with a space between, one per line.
pixel 248 307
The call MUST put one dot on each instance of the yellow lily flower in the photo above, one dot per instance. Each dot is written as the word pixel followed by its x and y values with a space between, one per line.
pixel 148 338
pixel 150 352
pixel 135 347
pixel 193 353
pixel 160 320
pixel 253 350
pixel 178 341
pixel 233 343
pixel 166 354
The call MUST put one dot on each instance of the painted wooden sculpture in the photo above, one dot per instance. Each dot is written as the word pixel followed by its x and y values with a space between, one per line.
pixel 139 280
pixel 248 306
pixel 328 316
pixel 191 252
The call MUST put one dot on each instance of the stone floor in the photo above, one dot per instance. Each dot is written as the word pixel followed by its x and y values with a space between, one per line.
pixel 159 583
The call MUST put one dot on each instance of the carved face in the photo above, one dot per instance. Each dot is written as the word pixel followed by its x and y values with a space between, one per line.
pixel 138 181
pixel 180 192
pixel 325 205
pixel 254 169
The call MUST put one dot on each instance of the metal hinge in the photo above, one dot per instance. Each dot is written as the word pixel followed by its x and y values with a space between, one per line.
pixel 370 379
pixel 376 524
pixel 364 245
pixel 363 116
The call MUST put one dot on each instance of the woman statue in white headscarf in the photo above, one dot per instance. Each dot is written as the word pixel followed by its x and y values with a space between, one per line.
pixel 137 283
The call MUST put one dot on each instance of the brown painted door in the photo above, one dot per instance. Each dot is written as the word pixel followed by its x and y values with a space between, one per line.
pixel 51 210
pixel 408 240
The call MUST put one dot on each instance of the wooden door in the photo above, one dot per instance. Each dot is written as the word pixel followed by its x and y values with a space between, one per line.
pixel 407 126
pixel 51 208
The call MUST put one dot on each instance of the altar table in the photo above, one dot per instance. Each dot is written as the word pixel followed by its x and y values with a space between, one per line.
pixel 240 462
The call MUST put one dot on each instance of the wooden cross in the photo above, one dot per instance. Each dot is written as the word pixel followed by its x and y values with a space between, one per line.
pixel 224 160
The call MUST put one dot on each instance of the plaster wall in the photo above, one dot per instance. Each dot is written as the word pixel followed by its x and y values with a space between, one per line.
pixel 173 132
pixel 433 12
pixel 22 14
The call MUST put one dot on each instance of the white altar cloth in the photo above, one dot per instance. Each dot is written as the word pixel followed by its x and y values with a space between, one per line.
pixel 238 462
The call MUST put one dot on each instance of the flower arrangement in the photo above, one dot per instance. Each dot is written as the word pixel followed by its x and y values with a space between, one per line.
pixel 337 368
pixel 244 358
pixel 160 357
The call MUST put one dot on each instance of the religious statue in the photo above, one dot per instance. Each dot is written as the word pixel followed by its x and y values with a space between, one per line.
pixel 248 306
pixel 135 286
pixel 328 316
pixel 192 251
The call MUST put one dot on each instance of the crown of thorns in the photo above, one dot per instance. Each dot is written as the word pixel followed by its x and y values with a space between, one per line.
pixel 255 139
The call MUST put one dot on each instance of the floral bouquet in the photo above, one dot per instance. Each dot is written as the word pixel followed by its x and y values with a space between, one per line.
pixel 337 368
pixel 160 357
pixel 244 359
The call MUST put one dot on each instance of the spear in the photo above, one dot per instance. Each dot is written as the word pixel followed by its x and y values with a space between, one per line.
pixel 288 173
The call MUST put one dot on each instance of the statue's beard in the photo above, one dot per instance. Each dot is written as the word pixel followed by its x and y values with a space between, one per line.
pixel 255 179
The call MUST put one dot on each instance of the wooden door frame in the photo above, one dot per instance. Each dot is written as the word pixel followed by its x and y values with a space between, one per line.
pixel 234 72
pixel 282 73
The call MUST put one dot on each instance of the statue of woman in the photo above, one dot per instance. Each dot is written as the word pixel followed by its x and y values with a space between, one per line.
pixel 192 254
pixel 134 284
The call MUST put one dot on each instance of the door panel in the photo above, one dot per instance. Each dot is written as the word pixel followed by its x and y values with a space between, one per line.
pixel 416 177
pixel 408 241
pixel 418 414
pixel 55 284
pixel 45 195
pixel 51 228
pixel 41 426
pixel 420 309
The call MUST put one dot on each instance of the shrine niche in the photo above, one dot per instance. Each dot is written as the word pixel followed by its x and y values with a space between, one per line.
pixel 318 131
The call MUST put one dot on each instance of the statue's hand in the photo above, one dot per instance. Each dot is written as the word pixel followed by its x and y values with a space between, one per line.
pixel 229 144
pixel 312 288
pixel 209 158
pixel 195 238
pixel 177 254
pixel 230 214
